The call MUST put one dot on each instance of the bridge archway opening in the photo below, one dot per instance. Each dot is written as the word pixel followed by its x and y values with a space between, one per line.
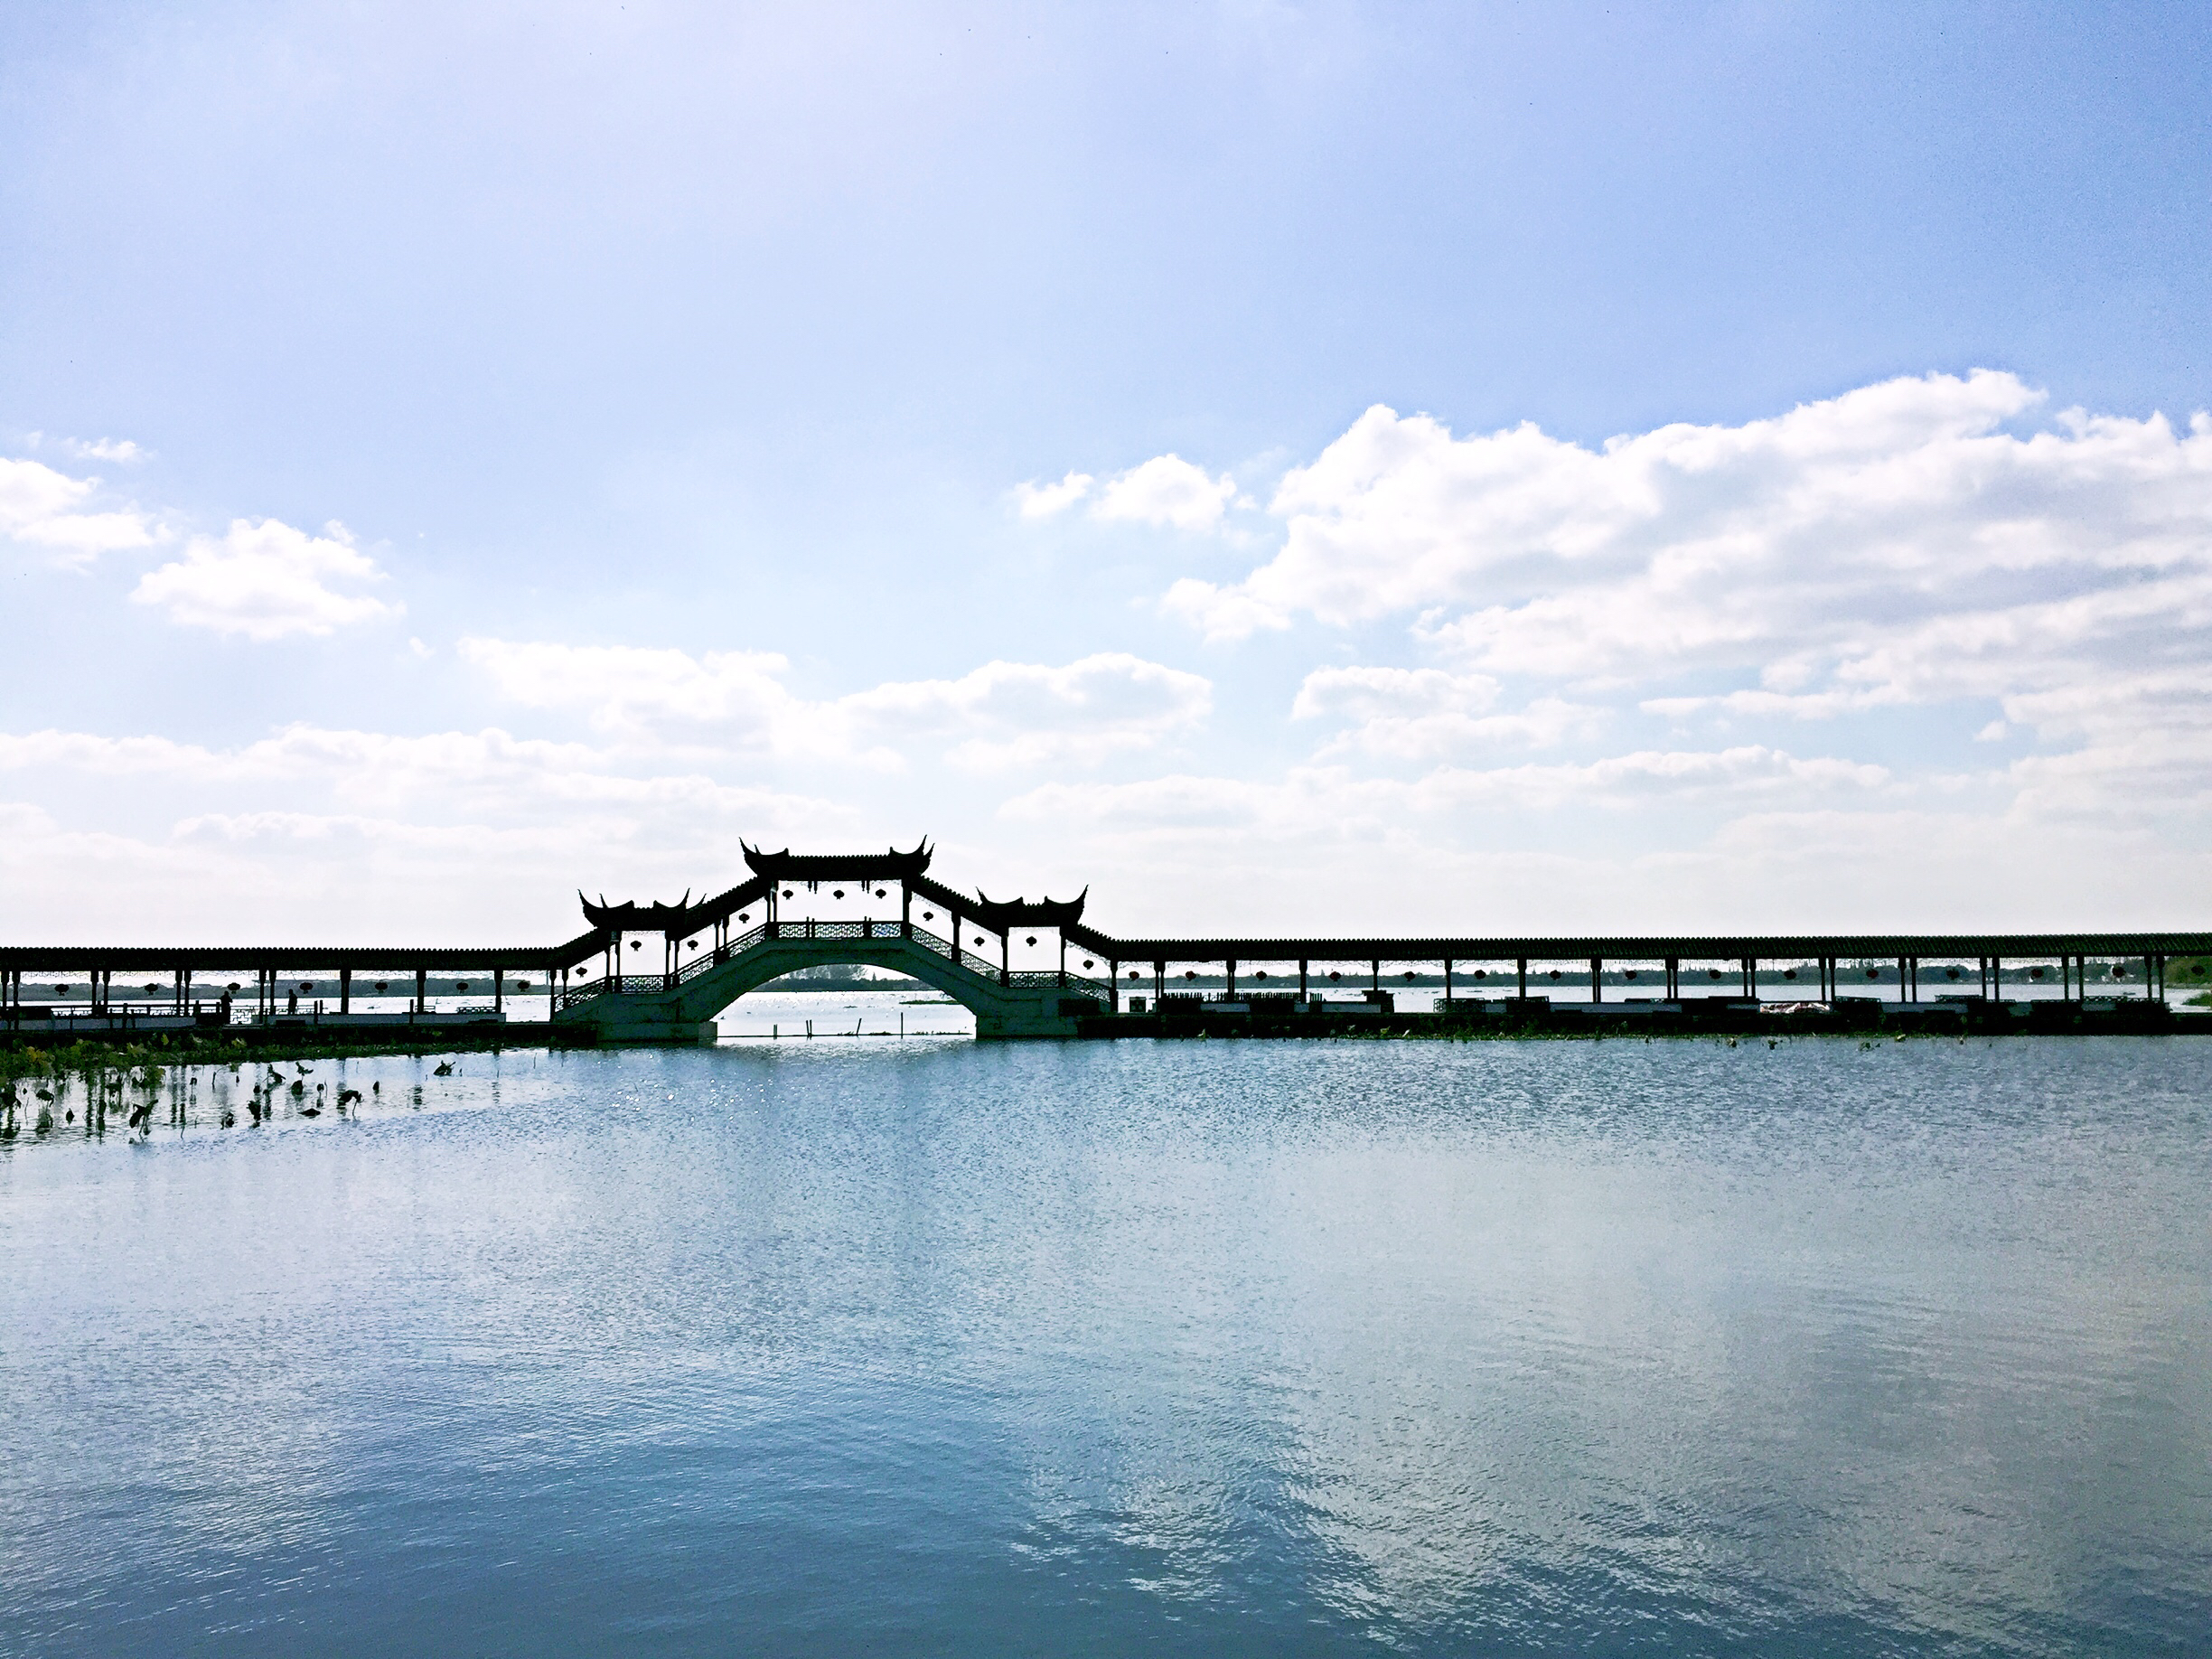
pixel 953 999
pixel 839 1000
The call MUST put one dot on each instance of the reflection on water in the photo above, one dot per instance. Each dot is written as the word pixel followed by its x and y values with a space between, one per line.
pixel 926 1346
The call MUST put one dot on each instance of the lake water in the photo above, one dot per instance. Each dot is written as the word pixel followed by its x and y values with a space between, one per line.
pixel 1198 1347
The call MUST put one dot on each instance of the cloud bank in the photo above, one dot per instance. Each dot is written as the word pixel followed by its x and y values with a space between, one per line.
pixel 268 581
pixel 1892 545
pixel 46 508
pixel 1166 493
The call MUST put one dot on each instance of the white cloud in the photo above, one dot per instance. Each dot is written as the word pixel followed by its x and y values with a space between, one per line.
pixel 1428 714
pixel 46 508
pixel 267 581
pixel 1798 546
pixel 1035 500
pixel 731 697
pixel 1022 713
pixel 119 450
pixel 997 715
pixel 1166 490
pixel 1333 796
pixel 1902 545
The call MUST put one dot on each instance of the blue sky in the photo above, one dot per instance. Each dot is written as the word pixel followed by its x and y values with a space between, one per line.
pixel 1165 447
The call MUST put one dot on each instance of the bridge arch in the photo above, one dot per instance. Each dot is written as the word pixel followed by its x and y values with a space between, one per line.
pixel 765 963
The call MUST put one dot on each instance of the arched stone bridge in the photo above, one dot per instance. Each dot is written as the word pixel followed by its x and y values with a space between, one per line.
pixel 678 1004
pixel 680 1008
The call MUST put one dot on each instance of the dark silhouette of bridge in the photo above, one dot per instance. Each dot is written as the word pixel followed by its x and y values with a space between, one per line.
pixel 712 951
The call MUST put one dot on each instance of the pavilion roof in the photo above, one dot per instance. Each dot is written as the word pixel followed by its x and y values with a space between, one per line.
pixel 890 865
